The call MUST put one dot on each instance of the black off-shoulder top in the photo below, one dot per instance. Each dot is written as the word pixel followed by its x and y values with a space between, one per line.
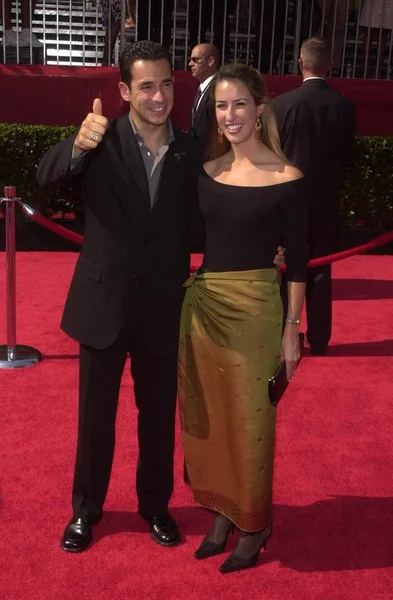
pixel 245 226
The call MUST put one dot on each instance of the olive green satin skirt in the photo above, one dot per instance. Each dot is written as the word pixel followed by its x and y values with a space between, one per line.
pixel 229 347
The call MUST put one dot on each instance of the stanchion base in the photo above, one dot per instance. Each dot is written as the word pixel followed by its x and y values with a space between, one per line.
pixel 24 356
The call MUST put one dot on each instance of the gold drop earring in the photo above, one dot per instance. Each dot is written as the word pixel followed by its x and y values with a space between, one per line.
pixel 220 136
pixel 258 127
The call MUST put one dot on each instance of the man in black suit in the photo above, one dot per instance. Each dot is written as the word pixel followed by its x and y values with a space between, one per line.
pixel 140 185
pixel 204 62
pixel 317 131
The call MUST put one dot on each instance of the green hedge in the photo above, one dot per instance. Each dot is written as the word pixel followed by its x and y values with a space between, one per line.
pixel 367 189
pixel 21 149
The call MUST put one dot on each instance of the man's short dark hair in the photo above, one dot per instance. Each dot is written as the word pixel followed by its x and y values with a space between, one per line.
pixel 143 50
pixel 316 54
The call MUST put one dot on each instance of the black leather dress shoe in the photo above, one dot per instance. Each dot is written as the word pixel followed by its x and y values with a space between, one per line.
pixel 164 530
pixel 77 535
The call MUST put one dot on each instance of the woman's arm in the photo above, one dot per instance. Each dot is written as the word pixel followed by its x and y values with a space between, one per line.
pixel 290 347
pixel 295 210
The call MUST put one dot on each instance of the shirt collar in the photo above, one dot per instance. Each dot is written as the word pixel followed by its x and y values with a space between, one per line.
pixel 309 78
pixel 170 135
pixel 203 86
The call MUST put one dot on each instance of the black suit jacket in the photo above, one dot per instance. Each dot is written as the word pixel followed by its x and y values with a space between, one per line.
pixel 201 126
pixel 126 243
pixel 317 133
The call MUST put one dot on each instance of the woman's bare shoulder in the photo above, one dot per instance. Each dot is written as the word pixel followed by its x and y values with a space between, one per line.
pixel 290 173
pixel 212 167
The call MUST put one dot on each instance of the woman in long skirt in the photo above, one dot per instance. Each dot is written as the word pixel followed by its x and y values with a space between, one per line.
pixel 231 339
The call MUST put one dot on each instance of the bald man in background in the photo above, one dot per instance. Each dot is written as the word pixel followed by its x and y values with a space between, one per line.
pixel 204 62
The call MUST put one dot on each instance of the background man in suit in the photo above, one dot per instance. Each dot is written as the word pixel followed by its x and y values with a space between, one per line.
pixel 317 131
pixel 140 185
pixel 204 62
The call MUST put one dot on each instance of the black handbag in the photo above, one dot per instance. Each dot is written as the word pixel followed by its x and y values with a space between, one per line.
pixel 278 383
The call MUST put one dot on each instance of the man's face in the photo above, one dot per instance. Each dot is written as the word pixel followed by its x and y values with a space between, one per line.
pixel 200 64
pixel 151 93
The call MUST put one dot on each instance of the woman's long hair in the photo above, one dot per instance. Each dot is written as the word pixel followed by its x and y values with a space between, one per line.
pixel 254 82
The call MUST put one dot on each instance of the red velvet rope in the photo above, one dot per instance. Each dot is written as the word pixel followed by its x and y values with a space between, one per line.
pixel 315 262
pixel 324 260
pixel 54 227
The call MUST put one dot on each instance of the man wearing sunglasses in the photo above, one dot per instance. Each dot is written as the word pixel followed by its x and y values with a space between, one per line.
pixel 204 62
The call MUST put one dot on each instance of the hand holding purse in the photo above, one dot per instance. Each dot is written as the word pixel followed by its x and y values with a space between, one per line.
pixel 278 383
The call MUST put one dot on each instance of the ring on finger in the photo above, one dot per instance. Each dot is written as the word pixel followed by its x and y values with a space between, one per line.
pixel 94 136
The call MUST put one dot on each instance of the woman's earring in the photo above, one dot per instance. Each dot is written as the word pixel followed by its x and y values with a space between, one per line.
pixel 258 127
pixel 220 136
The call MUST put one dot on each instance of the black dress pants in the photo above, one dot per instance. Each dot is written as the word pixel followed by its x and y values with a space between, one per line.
pixel 155 387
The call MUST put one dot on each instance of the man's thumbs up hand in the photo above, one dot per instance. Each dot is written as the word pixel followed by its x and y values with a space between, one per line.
pixel 92 130
pixel 97 107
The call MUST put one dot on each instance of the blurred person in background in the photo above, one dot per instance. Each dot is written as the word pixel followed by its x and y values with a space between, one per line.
pixel 376 21
pixel 111 21
pixel 26 37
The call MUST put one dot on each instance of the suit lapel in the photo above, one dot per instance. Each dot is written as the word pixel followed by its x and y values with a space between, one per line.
pixel 202 106
pixel 132 170
pixel 173 158
pixel 131 154
pixel 131 181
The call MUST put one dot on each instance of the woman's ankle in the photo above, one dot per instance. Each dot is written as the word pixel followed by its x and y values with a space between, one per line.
pixel 220 529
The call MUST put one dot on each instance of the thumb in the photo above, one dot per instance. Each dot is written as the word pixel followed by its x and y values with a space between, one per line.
pixel 97 107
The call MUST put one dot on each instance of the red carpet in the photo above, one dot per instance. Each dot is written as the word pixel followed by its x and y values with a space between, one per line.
pixel 333 537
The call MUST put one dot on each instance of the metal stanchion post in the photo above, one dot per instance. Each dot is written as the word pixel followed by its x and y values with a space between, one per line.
pixel 13 355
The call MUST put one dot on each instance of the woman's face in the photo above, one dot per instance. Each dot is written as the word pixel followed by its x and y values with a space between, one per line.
pixel 236 111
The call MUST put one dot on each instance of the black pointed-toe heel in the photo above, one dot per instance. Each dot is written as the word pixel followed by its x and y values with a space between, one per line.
pixel 237 563
pixel 209 548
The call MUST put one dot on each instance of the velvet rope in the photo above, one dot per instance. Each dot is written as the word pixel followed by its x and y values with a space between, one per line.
pixel 315 262
pixel 37 217
pixel 325 260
